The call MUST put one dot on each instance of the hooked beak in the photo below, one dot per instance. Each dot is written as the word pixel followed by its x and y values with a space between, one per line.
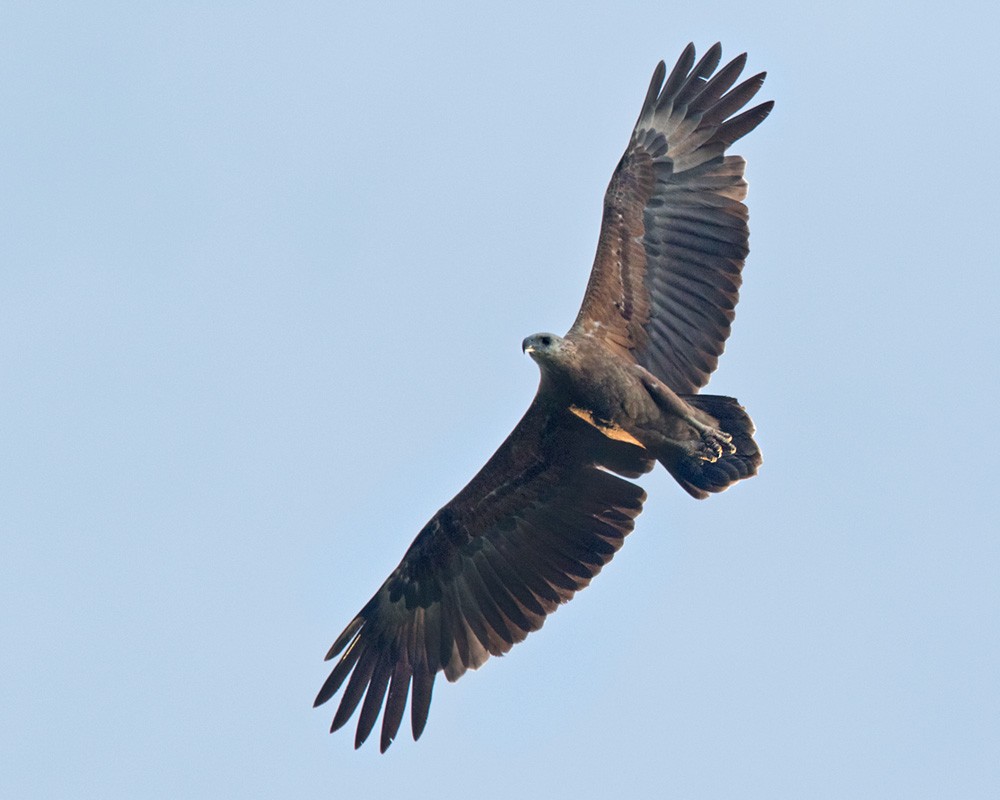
pixel 526 346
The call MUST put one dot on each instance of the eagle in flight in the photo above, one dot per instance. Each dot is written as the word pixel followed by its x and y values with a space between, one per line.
pixel 617 394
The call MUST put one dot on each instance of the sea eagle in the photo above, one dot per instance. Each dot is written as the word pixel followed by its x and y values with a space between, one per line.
pixel 617 394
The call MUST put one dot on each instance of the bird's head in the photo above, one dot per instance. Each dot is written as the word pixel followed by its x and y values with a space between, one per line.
pixel 544 347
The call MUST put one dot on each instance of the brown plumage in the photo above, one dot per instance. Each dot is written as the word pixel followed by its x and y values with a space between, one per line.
pixel 616 395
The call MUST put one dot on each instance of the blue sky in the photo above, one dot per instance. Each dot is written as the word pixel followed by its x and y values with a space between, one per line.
pixel 264 275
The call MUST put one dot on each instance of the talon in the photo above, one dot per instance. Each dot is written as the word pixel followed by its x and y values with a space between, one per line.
pixel 712 442
pixel 727 440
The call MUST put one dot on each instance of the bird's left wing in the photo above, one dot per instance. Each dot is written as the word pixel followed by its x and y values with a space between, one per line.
pixel 666 277
pixel 532 528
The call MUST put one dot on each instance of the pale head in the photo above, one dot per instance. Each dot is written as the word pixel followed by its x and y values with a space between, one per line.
pixel 545 346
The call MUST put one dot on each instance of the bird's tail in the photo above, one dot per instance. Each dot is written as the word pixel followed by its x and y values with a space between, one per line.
pixel 739 457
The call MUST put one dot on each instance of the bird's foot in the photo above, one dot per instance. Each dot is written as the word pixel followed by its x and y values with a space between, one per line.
pixel 714 444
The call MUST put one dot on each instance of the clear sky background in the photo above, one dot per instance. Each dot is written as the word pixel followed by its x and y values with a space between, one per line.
pixel 264 274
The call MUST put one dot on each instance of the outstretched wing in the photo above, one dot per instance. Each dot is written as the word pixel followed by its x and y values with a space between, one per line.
pixel 666 277
pixel 531 529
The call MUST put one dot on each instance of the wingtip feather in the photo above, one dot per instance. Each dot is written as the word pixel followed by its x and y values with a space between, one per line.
pixel 348 633
pixel 420 702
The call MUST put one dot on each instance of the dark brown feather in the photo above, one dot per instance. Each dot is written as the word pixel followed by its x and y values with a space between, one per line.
pixel 719 84
pixel 395 704
pixel 355 687
pixel 373 698
pixel 423 687
pixel 696 80
pixel 673 82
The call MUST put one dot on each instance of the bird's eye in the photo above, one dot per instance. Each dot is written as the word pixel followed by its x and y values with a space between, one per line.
pixel 546 341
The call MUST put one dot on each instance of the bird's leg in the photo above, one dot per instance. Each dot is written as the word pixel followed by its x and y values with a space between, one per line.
pixel 711 444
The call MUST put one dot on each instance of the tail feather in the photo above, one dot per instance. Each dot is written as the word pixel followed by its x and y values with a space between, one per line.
pixel 700 477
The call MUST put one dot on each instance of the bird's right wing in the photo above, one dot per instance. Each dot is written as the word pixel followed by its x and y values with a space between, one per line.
pixel 531 529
